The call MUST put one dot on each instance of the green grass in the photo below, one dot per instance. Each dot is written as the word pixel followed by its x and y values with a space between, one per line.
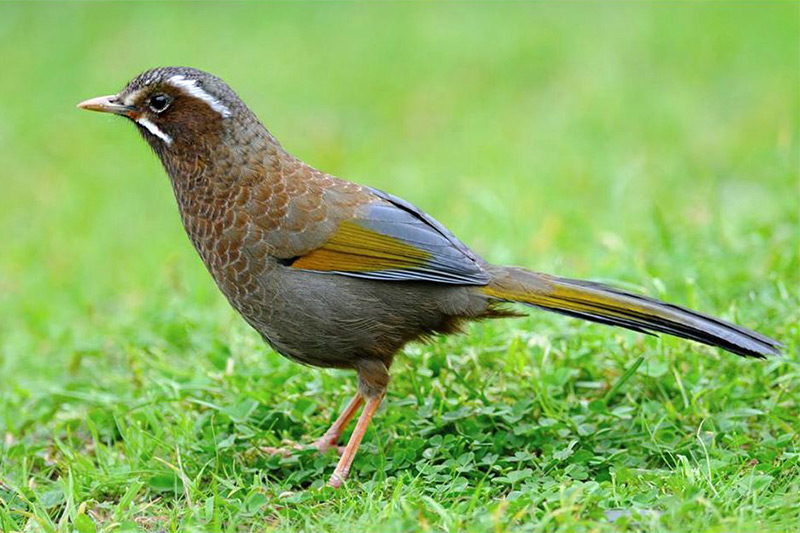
pixel 654 146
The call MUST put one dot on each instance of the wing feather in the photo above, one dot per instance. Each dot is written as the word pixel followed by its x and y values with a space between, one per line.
pixel 393 240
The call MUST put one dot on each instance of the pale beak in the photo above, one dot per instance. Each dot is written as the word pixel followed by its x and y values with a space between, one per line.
pixel 106 104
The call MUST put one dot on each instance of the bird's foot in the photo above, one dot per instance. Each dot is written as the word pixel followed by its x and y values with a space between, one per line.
pixel 287 450
pixel 338 478
pixel 326 443
pixel 290 448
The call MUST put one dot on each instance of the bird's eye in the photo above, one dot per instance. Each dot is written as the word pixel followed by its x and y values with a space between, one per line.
pixel 159 102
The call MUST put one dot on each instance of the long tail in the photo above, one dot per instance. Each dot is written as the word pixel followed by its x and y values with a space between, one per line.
pixel 608 305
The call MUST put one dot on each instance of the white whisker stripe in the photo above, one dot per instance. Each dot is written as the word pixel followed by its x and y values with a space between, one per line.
pixel 152 128
pixel 191 88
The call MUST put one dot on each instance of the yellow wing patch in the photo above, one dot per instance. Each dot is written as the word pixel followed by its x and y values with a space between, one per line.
pixel 354 248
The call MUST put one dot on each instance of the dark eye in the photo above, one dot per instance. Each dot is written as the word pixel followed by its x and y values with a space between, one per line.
pixel 159 102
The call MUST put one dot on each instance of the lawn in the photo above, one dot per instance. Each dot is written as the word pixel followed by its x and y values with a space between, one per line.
pixel 653 146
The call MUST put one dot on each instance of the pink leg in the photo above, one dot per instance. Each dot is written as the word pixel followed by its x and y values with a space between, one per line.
pixel 334 433
pixel 349 454
pixel 330 438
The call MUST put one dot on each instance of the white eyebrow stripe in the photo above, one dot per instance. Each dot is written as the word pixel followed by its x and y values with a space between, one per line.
pixel 131 98
pixel 191 88
pixel 152 128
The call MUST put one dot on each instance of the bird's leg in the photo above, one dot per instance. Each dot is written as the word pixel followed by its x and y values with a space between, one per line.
pixel 329 439
pixel 373 377
pixel 346 460
pixel 334 433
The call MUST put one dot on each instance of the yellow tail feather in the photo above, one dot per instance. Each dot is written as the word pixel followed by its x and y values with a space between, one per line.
pixel 608 305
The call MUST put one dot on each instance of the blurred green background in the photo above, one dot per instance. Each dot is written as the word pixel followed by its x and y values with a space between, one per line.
pixel 651 145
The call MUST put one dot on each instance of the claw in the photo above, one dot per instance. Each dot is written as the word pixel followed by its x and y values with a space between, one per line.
pixel 337 479
pixel 285 451
pixel 324 444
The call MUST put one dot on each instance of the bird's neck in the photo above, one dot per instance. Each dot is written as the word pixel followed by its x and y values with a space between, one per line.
pixel 213 168
pixel 215 177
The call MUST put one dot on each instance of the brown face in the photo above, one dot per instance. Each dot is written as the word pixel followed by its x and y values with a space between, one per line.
pixel 170 113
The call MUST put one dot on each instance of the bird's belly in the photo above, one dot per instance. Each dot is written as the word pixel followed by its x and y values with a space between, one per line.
pixel 330 320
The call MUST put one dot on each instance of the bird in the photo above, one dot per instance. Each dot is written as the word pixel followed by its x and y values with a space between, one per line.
pixel 335 274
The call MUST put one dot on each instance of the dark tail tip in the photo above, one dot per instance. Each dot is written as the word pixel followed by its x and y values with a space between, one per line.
pixel 658 316
pixel 616 307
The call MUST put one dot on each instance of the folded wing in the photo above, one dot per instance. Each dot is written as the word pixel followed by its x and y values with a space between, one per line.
pixel 393 240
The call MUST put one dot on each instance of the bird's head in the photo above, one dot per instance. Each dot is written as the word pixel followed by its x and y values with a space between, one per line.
pixel 175 108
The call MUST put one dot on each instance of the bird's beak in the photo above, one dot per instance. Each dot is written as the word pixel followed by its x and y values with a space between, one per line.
pixel 106 104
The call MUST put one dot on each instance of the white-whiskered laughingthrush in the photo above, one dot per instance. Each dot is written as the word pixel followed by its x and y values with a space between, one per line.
pixel 339 275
